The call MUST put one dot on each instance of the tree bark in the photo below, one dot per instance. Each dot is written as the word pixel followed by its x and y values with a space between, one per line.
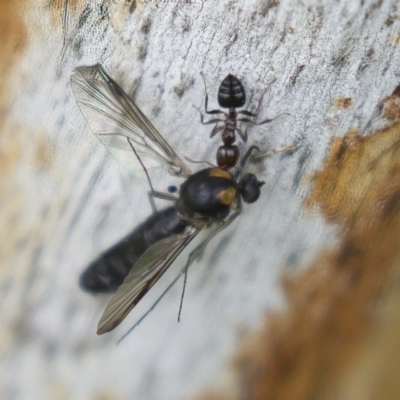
pixel 327 219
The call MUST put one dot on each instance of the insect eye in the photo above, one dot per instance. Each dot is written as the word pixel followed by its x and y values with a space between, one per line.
pixel 249 187
pixel 172 189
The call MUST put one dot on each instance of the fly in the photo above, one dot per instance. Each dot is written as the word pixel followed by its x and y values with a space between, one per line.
pixel 107 273
pixel 209 197
pixel 231 95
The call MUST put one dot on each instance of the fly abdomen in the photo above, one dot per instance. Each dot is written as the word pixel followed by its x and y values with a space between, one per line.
pixel 208 193
pixel 107 273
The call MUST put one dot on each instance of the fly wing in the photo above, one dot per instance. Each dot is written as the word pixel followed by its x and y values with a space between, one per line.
pixel 114 118
pixel 146 272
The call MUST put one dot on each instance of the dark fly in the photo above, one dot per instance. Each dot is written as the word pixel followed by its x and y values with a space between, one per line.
pixel 108 272
pixel 209 197
pixel 231 95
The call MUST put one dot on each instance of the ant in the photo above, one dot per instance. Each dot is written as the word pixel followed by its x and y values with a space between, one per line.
pixel 231 95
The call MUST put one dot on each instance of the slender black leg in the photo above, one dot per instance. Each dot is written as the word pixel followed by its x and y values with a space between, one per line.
pixel 152 193
pixel 267 153
pixel 211 121
pixel 248 113
pixel 200 248
pixel 206 100
pixel 215 130
pixel 242 134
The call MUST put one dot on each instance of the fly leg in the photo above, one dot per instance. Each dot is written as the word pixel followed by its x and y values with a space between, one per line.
pixel 198 250
pixel 195 253
pixel 152 193
pixel 254 154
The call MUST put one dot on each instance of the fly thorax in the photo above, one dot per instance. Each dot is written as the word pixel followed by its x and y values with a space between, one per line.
pixel 209 193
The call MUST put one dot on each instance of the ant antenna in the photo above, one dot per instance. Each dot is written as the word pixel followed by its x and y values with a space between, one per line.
pixel 262 96
pixel 204 81
pixel 269 120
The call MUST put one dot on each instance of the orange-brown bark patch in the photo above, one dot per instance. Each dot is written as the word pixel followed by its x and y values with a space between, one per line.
pixel 12 43
pixel 335 304
pixel 342 103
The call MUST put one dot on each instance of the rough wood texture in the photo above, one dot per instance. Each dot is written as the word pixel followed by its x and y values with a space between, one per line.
pixel 328 217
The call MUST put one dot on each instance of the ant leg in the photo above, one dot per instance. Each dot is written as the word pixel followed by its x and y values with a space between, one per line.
pixel 215 130
pixel 242 134
pixel 267 153
pixel 211 121
pixel 248 121
pixel 206 100
pixel 254 154
pixel 210 111
pixel 270 120
pixel 250 155
pixel 248 113
pixel 266 121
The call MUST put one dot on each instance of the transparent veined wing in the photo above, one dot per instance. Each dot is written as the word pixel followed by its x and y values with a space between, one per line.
pixel 145 273
pixel 114 118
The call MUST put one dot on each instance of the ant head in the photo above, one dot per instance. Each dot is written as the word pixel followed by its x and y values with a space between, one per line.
pixel 249 188
pixel 231 93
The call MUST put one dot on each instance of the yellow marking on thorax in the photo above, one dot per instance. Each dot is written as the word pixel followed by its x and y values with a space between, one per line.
pixel 227 196
pixel 220 173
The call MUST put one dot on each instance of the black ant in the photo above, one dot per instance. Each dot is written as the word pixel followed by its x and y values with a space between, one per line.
pixel 231 95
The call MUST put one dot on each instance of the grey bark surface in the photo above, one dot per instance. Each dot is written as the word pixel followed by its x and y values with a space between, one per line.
pixel 79 201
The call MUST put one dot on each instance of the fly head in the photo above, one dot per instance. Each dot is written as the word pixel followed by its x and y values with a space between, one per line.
pixel 249 188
